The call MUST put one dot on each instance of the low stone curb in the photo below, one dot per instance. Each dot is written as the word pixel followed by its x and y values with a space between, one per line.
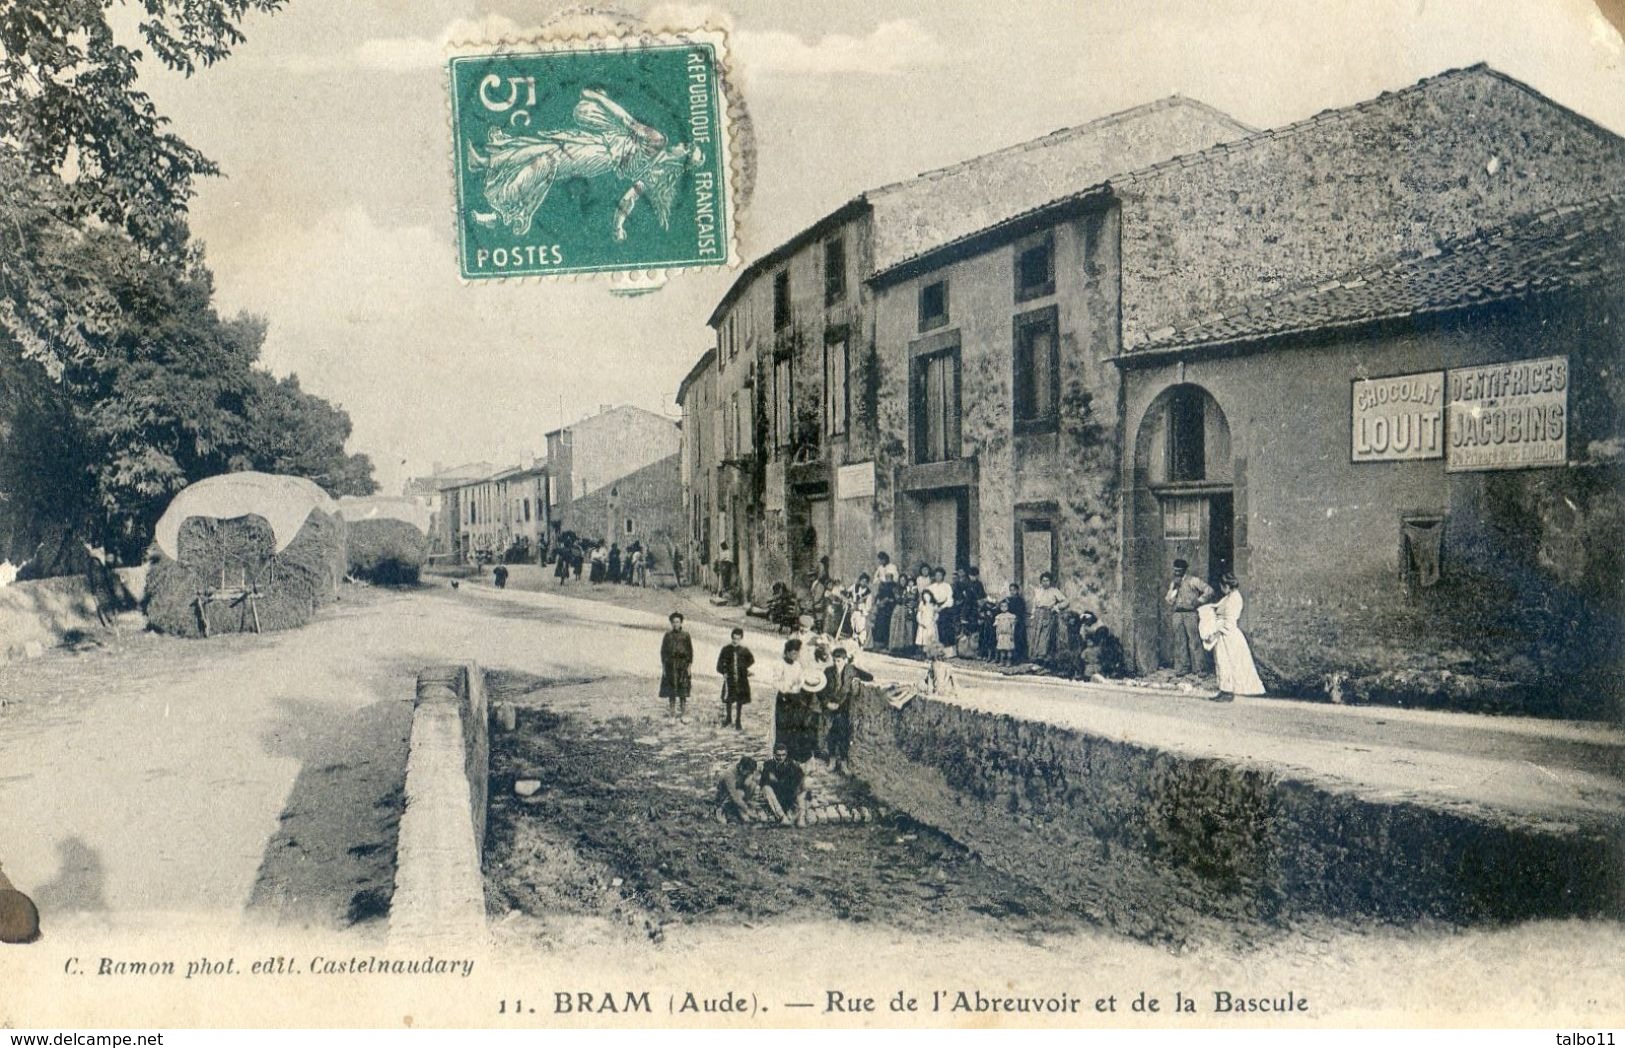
pixel 439 888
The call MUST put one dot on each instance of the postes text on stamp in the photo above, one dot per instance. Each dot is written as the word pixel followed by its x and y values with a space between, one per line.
pixel 608 158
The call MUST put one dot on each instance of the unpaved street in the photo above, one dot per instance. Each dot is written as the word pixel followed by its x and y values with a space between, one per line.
pixel 252 779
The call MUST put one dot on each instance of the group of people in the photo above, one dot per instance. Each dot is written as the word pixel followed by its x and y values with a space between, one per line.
pixel 813 685
pixel 816 680
pixel 936 615
pixel 602 563
pixel 1203 620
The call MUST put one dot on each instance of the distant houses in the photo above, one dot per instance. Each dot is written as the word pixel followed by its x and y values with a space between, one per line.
pixel 611 476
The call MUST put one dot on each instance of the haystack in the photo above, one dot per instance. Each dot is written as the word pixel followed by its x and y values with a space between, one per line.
pixel 387 538
pixel 244 552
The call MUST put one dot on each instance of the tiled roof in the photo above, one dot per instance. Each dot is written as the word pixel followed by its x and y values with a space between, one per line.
pixel 915 215
pixel 1563 248
pixel 1081 188
pixel 1342 114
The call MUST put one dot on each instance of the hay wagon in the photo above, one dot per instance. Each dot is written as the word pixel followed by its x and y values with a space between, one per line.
pixel 244 552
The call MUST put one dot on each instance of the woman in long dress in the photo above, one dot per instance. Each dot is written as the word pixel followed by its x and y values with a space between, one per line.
pixel 901 639
pixel 1044 627
pixel 1232 656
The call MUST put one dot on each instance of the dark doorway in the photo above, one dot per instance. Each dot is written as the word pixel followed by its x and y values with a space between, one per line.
pixel 943 538
pixel 1221 536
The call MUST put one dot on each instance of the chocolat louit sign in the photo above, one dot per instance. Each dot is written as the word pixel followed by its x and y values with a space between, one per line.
pixel 1399 417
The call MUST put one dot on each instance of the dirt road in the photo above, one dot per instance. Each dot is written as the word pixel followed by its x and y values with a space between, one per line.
pixel 148 783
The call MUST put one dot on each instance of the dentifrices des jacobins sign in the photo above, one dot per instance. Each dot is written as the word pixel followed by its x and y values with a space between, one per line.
pixel 1399 417
pixel 1507 416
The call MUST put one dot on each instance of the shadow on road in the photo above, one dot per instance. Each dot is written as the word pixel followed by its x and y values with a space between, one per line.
pixel 331 862
pixel 78 884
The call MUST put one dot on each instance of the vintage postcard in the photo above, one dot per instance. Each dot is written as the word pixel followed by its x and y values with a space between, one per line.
pixel 1097 515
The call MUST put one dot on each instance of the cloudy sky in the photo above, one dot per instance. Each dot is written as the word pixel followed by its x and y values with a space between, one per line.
pixel 335 220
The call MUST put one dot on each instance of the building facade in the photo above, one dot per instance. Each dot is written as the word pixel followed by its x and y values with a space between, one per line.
pixel 698 467
pixel 435 490
pixel 808 474
pixel 1164 357
pixel 1414 471
pixel 998 402
pixel 1281 233
pixel 643 507
pixel 586 455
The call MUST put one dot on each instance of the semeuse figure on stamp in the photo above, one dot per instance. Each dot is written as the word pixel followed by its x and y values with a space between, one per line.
pixel 520 170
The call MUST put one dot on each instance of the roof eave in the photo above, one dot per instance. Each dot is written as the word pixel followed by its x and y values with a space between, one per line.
pixel 853 208
pixel 996 235
pixel 1238 344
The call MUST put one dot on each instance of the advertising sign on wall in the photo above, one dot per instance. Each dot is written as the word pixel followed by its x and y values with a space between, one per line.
pixel 856 481
pixel 1398 417
pixel 1508 416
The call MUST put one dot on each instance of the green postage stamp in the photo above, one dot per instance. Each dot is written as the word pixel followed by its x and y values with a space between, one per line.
pixel 592 156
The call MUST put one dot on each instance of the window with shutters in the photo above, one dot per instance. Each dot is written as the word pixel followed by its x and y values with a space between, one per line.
pixel 781 403
pixel 836 403
pixel 1037 376
pixel 934 405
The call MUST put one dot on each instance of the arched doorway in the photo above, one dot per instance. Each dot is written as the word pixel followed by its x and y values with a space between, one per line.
pixel 1184 508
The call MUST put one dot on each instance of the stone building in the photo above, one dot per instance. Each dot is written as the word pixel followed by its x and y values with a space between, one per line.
pixel 1163 356
pixel 1031 314
pixel 998 401
pixel 437 491
pixel 645 506
pixel 1414 467
pixel 698 469
pixel 1378 235
pixel 494 513
pixel 798 379
pixel 591 453
pixel 1246 293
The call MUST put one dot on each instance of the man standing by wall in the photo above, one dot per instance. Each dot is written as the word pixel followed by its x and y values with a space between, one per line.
pixel 1185 593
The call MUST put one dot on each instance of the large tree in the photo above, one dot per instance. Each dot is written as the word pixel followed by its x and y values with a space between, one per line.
pixel 122 383
pixel 83 150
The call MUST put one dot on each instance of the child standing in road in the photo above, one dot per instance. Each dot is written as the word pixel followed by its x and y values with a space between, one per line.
pixel 676 661
pixel 1004 630
pixel 734 662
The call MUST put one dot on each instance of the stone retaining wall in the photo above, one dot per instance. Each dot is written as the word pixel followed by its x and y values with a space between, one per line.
pixel 42 613
pixel 1158 845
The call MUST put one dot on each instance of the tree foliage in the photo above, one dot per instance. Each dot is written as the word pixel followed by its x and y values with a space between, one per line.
pixel 83 151
pixel 122 384
pixel 170 395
